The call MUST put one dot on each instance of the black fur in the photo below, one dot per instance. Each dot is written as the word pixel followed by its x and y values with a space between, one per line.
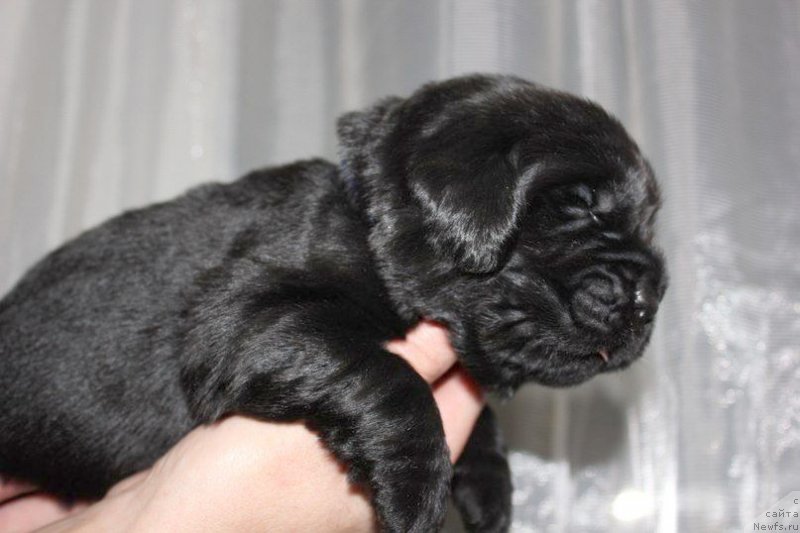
pixel 518 216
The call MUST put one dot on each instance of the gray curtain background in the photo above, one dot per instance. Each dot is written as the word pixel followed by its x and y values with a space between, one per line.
pixel 107 105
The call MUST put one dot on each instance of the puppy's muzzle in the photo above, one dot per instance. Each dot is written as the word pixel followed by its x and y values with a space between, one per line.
pixel 609 302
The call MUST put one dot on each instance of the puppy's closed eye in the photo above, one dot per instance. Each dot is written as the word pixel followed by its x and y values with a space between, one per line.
pixel 579 202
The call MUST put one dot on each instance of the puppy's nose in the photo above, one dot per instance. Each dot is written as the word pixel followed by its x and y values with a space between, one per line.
pixel 645 304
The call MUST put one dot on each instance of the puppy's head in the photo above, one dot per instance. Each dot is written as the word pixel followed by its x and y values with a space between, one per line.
pixel 520 216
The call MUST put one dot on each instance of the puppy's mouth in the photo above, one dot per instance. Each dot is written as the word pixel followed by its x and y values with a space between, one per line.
pixel 610 356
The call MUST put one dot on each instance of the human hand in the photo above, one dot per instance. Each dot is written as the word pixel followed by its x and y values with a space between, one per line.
pixel 241 474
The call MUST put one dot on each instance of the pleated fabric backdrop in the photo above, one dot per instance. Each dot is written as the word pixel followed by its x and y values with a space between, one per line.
pixel 112 104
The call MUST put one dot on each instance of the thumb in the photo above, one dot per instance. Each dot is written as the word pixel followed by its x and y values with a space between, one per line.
pixel 426 347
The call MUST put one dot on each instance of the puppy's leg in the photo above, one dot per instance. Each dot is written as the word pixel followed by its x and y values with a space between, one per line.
pixel 369 406
pixel 482 480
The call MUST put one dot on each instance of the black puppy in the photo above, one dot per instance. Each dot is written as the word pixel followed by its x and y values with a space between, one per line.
pixel 518 216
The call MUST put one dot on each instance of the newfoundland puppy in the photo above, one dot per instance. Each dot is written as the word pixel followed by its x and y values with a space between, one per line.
pixel 518 216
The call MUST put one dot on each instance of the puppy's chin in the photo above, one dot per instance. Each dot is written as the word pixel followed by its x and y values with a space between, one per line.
pixel 566 371
pixel 529 352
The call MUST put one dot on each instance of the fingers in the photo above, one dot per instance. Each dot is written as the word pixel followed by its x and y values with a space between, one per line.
pixel 427 349
pixel 31 512
pixel 128 483
pixel 282 476
pixel 460 401
pixel 11 488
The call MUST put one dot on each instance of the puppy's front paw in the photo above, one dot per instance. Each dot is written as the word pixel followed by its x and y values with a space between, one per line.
pixel 412 498
pixel 378 417
pixel 485 507
pixel 482 481
pixel 400 453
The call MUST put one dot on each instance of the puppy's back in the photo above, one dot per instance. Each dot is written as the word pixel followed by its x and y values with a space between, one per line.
pixel 90 337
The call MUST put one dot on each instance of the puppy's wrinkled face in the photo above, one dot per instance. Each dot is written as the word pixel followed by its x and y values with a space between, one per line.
pixel 523 217
pixel 581 286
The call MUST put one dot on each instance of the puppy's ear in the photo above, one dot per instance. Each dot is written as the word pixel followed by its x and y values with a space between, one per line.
pixel 473 194
pixel 360 133
pixel 461 171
